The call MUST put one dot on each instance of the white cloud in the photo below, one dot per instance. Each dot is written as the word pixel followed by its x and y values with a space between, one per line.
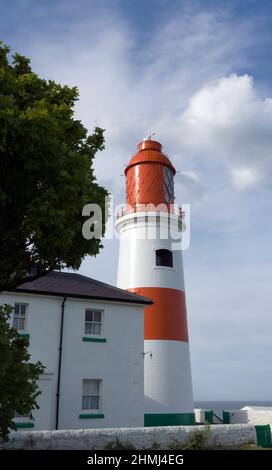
pixel 227 119
pixel 244 178
pixel 191 175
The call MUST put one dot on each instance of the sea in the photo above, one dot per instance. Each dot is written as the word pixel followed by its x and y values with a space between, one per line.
pixel 219 406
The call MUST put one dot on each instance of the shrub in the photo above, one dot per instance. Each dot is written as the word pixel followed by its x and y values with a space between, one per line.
pixel 199 440
pixel 119 445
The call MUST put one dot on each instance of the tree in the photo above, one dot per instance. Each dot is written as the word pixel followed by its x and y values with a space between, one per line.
pixel 46 174
pixel 18 389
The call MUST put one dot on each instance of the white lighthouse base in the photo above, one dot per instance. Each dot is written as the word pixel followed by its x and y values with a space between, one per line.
pixel 168 384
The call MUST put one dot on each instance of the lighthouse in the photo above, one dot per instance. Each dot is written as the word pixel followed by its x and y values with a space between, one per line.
pixel 151 265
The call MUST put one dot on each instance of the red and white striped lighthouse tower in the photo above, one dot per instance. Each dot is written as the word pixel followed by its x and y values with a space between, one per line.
pixel 149 266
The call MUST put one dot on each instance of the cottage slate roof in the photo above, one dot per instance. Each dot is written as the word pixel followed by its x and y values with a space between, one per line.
pixel 78 286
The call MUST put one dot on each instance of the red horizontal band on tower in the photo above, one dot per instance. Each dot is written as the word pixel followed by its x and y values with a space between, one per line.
pixel 166 319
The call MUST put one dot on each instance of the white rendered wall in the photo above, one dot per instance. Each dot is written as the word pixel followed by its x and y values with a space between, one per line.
pixel 200 415
pixel 118 362
pixel 43 326
pixel 45 416
pixel 259 416
pixel 238 416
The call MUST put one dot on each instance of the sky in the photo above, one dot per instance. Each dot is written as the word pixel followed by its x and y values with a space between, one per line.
pixel 197 73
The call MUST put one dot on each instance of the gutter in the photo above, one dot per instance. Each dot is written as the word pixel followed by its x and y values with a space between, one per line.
pixel 60 362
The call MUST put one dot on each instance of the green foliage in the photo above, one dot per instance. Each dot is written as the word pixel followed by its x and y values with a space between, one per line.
pixel 119 445
pixel 199 440
pixel 18 389
pixel 46 174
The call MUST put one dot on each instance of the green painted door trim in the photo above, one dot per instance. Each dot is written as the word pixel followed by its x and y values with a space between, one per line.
pixel 169 419
pixel 208 417
pixel 91 416
pixel 24 425
pixel 95 340
pixel 263 435
pixel 24 335
pixel 226 417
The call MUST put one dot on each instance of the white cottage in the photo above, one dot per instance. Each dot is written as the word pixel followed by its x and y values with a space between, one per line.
pixel 89 337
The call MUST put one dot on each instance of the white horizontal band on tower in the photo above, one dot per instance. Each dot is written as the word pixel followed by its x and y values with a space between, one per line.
pixel 137 255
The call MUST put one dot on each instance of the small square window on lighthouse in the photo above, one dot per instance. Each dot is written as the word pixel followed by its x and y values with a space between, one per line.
pixel 164 258
pixel 93 322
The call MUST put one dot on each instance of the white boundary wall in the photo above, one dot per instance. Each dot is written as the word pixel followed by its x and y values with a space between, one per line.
pixel 228 435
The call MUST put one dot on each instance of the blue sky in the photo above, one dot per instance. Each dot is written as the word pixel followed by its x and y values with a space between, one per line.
pixel 198 74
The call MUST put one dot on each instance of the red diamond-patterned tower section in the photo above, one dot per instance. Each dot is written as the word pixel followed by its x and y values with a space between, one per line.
pixel 149 178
